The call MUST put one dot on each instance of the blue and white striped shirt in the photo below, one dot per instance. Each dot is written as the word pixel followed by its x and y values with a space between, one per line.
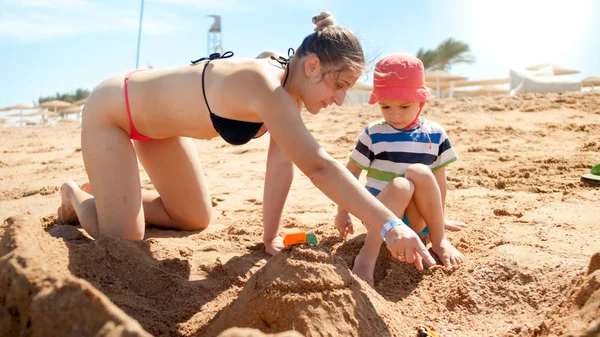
pixel 385 152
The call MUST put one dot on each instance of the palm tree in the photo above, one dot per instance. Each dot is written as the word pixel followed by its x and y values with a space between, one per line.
pixel 451 52
pixel 428 57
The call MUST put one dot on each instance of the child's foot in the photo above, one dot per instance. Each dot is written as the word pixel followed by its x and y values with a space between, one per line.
pixel 454 226
pixel 66 212
pixel 448 255
pixel 364 268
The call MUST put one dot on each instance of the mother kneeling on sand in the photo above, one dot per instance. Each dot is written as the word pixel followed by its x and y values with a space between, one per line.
pixel 237 99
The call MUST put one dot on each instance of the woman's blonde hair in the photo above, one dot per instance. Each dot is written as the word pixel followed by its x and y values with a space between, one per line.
pixel 337 47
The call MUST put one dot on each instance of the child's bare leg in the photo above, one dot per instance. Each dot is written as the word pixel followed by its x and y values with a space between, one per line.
pixel 428 201
pixel 395 196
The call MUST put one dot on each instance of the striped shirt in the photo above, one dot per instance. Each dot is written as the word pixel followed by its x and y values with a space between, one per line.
pixel 385 152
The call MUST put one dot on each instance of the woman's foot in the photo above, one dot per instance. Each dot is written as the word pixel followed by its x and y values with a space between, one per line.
pixel 66 212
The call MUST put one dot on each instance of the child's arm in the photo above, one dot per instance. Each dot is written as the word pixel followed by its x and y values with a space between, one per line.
pixel 354 169
pixel 343 222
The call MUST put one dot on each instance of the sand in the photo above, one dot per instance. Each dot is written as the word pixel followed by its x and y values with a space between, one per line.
pixel 532 243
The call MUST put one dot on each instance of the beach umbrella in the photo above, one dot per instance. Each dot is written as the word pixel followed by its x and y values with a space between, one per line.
pixel 557 70
pixel 80 102
pixel 54 106
pixel 41 112
pixel 438 76
pixel 442 76
pixel 487 90
pixel 362 86
pixel 19 107
pixel 591 81
pixel 70 110
pixel 35 113
pixel 44 113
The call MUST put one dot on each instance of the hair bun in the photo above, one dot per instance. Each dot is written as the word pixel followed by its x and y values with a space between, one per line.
pixel 323 20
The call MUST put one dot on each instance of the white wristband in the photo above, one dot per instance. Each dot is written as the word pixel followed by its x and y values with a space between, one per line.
pixel 388 226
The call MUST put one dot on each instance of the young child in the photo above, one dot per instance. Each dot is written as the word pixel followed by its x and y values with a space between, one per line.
pixel 405 157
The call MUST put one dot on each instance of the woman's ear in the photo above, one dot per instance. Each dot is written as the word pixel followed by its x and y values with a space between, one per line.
pixel 312 66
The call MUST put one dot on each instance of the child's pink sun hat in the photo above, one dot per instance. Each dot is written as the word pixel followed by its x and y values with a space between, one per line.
pixel 399 77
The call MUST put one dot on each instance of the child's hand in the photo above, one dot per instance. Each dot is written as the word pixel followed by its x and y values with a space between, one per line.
pixel 453 225
pixel 405 245
pixel 273 246
pixel 344 225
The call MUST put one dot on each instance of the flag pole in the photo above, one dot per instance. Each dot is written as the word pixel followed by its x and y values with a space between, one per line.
pixel 137 58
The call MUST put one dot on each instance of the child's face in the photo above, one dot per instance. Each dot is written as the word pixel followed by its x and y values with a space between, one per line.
pixel 399 114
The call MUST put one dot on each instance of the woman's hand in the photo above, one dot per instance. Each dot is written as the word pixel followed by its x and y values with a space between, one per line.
pixel 405 245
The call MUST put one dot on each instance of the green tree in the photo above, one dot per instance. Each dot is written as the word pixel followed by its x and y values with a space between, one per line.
pixel 451 52
pixel 428 57
pixel 447 54
pixel 67 97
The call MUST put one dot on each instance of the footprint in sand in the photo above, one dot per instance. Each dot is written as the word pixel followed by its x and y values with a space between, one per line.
pixel 45 149
pixel 254 201
pixel 503 212
pixel 19 193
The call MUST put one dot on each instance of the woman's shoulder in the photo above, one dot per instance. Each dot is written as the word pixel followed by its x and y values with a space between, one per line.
pixel 253 73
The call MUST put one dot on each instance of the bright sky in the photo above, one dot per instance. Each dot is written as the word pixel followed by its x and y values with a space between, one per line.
pixel 50 46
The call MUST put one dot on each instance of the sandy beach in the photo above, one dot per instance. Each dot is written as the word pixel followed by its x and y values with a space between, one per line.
pixel 532 243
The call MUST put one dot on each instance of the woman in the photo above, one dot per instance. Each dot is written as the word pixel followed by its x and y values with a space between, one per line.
pixel 237 99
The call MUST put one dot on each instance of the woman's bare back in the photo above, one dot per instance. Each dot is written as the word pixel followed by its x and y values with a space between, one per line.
pixel 169 102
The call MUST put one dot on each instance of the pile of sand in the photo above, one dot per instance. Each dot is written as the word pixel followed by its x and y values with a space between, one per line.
pixel 577 314
pixel 310 291
pixel 40 297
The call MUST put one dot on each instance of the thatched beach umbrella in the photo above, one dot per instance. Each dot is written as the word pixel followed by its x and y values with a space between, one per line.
pixel 487 90
pixel 80 102
pixel 591 81
pixel 42 112
pixel 19 107
pixel 70 110
pixel 362 86
pixel 557 70
pixel 35 113
pixel 54 106
pixel 438 76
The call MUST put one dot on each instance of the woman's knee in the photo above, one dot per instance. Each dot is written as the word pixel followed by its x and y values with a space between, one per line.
pixel 193 221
